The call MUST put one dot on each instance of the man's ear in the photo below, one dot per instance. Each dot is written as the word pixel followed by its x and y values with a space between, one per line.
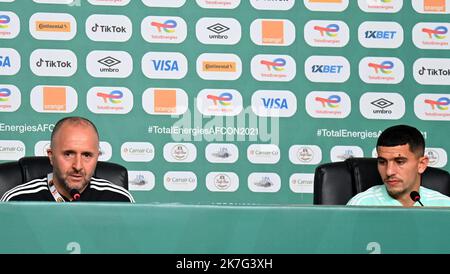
pixel 423 163
pixel 50 155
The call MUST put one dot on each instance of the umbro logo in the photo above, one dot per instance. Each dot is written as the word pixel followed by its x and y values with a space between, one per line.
pixel 382 103
pixel 109 61
pixel 218 28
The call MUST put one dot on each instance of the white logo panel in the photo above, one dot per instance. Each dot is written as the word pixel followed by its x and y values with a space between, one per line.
pixel 164 65
pixel 380 6
pixel 219 102
pixel 432 36
pixel 432 71
pixel 302 183
pixel 224 4
pixel 53 62
pixel 274 103
pixel 222 182
pixel 109 64
pixel 305 154
pixel 9 25
pixel 383 106
pixel 54 99
pixel 272 32
pixel 263 154
pixel 10 61
pixel 272 5
pixel 218 31
pixel 164 3
pixel 264 182
pixel 53 26
pixel 327 69
pixel 11 150
pixel 277 68
pixel 180 181
pixel 164 29
pixel 388 35
pixel 222 153
pixel 180 152
pixel 109 2
pixel 67 2
pixel 105 151
pixel 109 100
pixel 140 180
pixel 137 152
pixel 437 157
pixel 381 70
pixel 109 28
pixel 10 98
pixel 324 33
pixel 333 6
pixel 433 7
pixel 219 66
pixel 165 101
pixel 342 153
pixel 432 107
pixel 328 104
pixel 41 147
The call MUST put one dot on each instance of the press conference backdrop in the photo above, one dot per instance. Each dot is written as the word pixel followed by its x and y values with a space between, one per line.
pixel 228 101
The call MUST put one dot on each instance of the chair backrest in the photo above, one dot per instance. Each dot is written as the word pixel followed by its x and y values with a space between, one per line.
pixel 33 167
pixel 336 183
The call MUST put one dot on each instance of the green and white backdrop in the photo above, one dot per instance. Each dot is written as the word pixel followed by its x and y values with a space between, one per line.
pixel 225 101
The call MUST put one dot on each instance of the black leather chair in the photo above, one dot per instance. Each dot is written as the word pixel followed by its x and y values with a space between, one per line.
pixel 33 167
pixel 336 183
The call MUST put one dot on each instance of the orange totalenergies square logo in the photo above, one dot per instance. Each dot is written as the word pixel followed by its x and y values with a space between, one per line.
pixel 273 32
pixel 165 101
pixel 434 5
pixel 54 98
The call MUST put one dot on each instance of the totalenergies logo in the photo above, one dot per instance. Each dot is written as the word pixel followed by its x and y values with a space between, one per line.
pixel 332 101
pixel 4 94
pixel 168 26
pixel 330 30
pixel 438 32
pixel 440 104
pixel 223 99
pixel 386 1
pixel 113 96
pixel 385 67
pixel 4 21
pixel 277 64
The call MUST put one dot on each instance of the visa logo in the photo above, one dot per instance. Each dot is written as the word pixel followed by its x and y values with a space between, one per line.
pixel 165 65
pixel 5 62
pixel 275 103
pixel 380 34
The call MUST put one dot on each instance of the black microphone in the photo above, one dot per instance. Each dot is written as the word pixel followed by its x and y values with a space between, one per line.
pixel 415 196
pixel 75 195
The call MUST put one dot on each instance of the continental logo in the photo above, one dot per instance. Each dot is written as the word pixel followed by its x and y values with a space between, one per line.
pixel 217 66
pixel 52 26
pixel 209 66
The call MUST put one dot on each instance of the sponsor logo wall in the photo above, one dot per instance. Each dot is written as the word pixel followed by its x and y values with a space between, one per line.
pixel 227 102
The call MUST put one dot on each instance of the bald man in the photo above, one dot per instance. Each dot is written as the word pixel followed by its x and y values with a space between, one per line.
pixel 73 153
